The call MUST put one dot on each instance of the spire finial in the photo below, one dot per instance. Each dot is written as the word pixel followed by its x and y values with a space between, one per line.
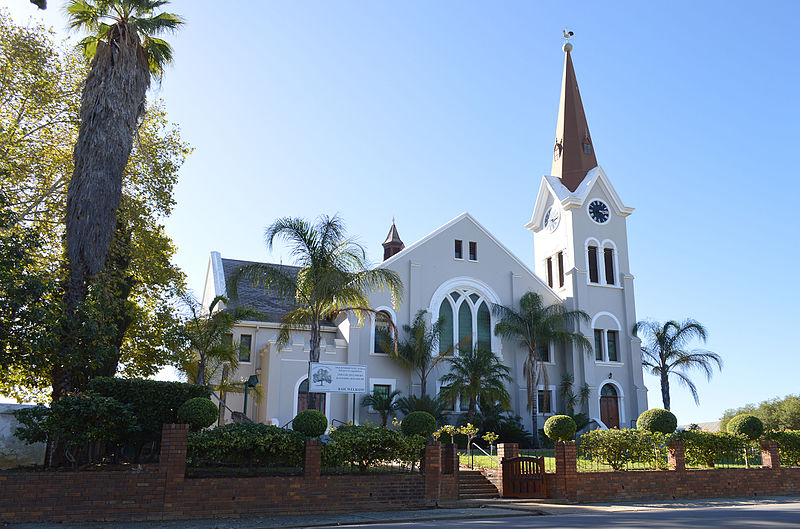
pixel 567 44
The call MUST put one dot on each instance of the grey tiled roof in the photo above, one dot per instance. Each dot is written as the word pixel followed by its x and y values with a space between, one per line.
pixel 271 306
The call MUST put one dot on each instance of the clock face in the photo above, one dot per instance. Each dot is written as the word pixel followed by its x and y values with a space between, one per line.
pixel 598 211
pixel 551 218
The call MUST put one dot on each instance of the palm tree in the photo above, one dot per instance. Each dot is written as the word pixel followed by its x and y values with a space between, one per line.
pixel 476 373
pixel 665 353
pixel 333 279
pixel 125 53
pixel 416 351
pixel 537 325
pixel 384 404
pixel 436 406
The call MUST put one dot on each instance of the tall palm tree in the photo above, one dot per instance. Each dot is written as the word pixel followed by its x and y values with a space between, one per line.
pixel 535 325
pixel 383 404
pixel 334 278
pixel 476 373
pixel 416 351
pixel 665 353
pixel 125 53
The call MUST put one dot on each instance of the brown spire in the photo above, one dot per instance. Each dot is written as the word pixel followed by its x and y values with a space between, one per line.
pixel 392 244
pixel 573 154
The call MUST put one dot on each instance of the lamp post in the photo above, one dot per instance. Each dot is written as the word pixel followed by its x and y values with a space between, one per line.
pixel 251 383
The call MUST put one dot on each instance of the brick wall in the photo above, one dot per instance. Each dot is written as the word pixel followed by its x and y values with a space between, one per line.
pixel 161 492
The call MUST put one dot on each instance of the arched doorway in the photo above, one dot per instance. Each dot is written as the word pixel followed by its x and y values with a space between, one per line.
pixel 609 406
pixel 302 398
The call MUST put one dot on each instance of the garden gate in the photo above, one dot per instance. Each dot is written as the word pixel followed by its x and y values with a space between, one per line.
pixel 523 477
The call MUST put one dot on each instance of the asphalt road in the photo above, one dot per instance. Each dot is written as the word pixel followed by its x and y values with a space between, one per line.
pixel 778 515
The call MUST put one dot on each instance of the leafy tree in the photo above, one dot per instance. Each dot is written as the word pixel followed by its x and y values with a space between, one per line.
pixel 665 353
pixel 536 325
pixel 129 320
pixel 476 373
pixel 334 278
pixel 416 351
pixel 125 53
pixel 776 414
pixel 383 404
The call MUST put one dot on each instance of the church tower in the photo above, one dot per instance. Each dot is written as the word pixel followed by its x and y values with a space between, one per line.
pixel 581 252
pixel 392 244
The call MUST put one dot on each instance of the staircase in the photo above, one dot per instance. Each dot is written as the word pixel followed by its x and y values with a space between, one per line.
pixel 473 485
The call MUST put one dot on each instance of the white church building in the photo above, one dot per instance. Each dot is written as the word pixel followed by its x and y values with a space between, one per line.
pixel 458 272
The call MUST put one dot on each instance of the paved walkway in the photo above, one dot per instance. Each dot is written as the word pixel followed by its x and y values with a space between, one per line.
pixel 462 510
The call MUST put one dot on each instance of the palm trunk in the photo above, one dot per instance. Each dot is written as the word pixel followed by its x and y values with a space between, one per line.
pixel 313 356
pixel 665 390
pixel 423 381
pixel 535 422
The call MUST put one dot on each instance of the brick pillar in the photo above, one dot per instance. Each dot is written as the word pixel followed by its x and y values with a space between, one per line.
pixel 433 471
pixel 312 459
pixel 172 461
pixel 676 456
pixel 567 469
pixel 504 451
pixel 770 457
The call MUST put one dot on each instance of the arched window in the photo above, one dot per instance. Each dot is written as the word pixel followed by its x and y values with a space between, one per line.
pixel 606 337
pixel 601 262
pixel 473 324
pixel 383 331
pixel 302 398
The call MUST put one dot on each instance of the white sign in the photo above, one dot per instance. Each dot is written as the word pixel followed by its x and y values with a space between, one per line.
pixel 338 378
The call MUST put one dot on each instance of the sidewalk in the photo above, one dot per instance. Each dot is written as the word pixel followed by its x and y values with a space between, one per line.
pixel 461 510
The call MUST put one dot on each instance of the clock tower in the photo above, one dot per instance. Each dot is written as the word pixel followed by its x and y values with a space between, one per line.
pixel 581 252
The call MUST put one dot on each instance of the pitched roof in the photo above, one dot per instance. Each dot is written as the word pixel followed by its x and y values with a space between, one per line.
pixel 573 154
pixel 393 236
pixel 268 303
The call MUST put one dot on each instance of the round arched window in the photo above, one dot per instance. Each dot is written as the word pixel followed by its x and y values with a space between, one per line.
pixel 383 331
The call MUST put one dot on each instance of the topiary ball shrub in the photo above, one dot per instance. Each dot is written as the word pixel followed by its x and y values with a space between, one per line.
pixel 310 423
pixel 198 413
pixel 657 420
pixel 560 428
pixel 418 423
pixel 748 425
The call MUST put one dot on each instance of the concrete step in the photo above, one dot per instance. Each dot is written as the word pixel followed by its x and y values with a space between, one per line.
pixel 472 484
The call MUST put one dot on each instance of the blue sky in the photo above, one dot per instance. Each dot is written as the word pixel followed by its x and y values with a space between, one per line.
pixel 422 110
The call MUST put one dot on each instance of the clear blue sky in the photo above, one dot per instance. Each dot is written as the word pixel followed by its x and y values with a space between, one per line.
pixel 421 110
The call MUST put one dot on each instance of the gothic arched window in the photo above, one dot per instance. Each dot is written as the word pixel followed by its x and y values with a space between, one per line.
pixel 383 330
pixel 466 320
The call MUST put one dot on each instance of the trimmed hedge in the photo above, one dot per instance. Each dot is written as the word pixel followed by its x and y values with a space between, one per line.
pixel 748 425
pixel 618 448
pixel 153 402
pixel 788 446
pixel 246 444
pixel 657 420
pixel 198 413
pixel 311 423
pixel 707 449
pixel 365 446
pixel 419 423
pixel 560 427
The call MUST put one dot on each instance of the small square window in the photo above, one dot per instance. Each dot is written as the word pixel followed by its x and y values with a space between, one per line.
pixel 245 344
pixel 459 253
pixel 543 350
pixel 473 251
pixel 382 390
pixel 545 401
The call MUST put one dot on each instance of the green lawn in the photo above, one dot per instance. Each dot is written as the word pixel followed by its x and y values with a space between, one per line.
pixel 483 461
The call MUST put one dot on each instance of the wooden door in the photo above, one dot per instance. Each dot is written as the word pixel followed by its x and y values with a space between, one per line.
pixel 609 411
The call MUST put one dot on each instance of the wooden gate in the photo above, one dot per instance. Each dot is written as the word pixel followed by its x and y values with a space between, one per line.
pixel 523 477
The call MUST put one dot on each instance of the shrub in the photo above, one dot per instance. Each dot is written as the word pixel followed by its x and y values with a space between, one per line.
pixel 657 420
pixel 748 425
pixel 153 402
pixel 419 423
pixel 617 448
pixel 788 446
pixel 365 446
pixel 560 427
pixel 198 413
pixel 77 420
pixel 246 444
pixel 310 423
pixel 707 449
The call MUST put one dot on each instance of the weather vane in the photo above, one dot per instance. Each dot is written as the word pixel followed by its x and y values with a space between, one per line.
pixel 567 35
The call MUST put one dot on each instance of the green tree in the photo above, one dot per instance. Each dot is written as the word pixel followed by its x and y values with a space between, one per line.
pixel 476 373
pixel 416 351
pixel 665 353
pixel 133 320
pixel 536 325
pixel 383 404
pixel 776 414
pixel 334 278
pixel 125 53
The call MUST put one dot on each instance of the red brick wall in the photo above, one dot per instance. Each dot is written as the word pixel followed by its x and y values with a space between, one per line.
pixel 162 492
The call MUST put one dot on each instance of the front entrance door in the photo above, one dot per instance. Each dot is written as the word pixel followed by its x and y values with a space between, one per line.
pixel 609 406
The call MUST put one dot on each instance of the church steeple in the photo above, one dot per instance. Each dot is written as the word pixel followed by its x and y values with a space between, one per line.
pixel 392 244
pixel 573 154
